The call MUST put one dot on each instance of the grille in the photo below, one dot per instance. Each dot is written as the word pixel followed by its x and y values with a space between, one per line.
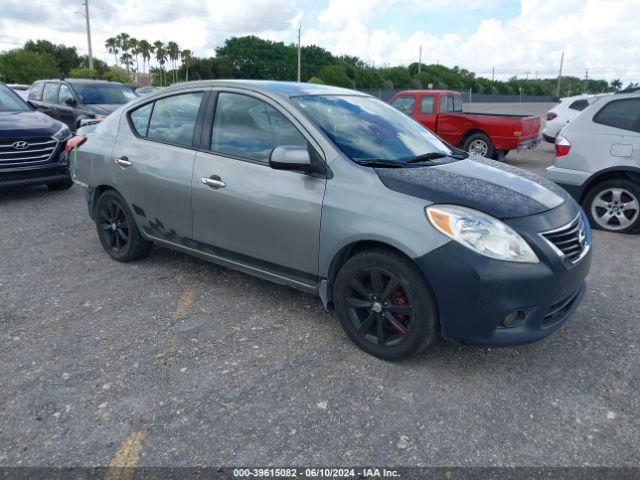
pixel 38 150
pixel 571 241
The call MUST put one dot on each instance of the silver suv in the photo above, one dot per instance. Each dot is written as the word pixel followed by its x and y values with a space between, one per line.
pixel 338 194
pixel 597 160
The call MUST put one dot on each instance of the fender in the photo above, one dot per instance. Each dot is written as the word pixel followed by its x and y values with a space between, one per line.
pixel 632 173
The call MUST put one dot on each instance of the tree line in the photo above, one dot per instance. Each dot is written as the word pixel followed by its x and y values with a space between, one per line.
pixel 251 57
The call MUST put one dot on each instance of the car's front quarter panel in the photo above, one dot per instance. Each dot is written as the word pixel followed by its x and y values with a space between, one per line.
pixel 358 207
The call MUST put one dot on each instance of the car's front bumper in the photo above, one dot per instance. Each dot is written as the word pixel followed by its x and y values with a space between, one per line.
pixel 475 294
pixel 46 173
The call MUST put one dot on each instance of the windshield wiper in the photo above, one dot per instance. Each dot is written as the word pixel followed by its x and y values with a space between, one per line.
pixel 378 162
pixel 426 157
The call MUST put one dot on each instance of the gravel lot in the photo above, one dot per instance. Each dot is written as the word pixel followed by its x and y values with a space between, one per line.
pixel 189 363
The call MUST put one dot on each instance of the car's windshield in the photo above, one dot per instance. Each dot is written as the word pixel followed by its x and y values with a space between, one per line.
pixel 10 102
pixel 365 128
pixel 104 93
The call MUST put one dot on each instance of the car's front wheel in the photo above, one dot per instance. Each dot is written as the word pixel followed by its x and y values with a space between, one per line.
pixel 385 305
pixel 614 205
pixel 117 230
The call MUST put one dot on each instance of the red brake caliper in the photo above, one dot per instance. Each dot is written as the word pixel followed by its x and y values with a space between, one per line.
pixel 398 298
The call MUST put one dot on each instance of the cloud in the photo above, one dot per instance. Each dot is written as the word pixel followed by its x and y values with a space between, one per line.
pixel 596 35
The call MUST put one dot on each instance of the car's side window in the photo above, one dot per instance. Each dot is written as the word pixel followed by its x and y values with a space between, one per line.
pixel 35 93
pixel 427 103
pixel 579 105
pixel 405 104
pixel 246 127
pixel 65 92
pixel 624 114
pixel 174 118
pixel 457 103
pixel 50 94
pixel 140 119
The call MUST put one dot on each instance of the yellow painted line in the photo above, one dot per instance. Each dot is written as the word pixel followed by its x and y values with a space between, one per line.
pixel 127 457
pixel 186 300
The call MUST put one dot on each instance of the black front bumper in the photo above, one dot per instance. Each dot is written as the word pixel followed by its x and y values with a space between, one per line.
pixel 42 174
pixel 475 293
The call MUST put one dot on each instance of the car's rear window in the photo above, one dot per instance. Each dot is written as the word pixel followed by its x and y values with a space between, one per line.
pixel 50 94
pixel 36 91
pixel 623 114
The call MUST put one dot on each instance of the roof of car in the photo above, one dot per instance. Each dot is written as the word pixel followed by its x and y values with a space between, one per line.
pixel 284 89
pixel 81 81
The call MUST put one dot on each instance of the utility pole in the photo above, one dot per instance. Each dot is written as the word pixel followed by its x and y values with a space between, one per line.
pixel 493 74
pixel 299 55
pixel 560 75
pixel 420 60
pixel 86 11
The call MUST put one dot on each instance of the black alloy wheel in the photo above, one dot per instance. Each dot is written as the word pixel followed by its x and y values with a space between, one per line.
pixel 379 308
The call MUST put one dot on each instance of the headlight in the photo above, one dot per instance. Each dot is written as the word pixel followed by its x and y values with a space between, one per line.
pixel 481 233
pixel 62 134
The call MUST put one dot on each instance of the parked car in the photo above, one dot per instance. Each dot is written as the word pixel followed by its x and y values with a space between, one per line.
pixel 78 101
pixel 568 109
pixel 338 194
pixel 31 145
pixel 21 89
pixel 146 90
pixel 486 134
pixel 597 159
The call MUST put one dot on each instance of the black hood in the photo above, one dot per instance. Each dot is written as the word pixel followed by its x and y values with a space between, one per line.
pixel 27 124
pixel 495 188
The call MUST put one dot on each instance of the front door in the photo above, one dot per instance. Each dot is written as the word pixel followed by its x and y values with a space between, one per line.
pixel 153 163
pixel 267 219
pixel 64 111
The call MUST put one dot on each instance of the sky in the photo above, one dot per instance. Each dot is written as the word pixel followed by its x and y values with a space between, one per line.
pixel 525 38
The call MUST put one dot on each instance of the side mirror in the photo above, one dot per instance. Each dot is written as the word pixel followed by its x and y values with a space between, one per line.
pixel 70 101
pixel 291 157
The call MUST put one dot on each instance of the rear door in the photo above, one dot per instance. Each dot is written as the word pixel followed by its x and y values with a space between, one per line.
pixel 617 126
pixel 267 219
pixel 64 112
pixel 426 111
pixel 153 163
pixel 50 99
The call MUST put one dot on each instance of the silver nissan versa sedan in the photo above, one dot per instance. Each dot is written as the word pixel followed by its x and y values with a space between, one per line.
pixel 338 194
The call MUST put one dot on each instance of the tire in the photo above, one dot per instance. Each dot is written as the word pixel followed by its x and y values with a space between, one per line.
pixel 117 230
pixel 480 144
pixel 402 309
pixel 603 211
pixel 64 185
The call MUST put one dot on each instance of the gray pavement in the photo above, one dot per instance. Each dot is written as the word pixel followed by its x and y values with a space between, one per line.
pixel 180 362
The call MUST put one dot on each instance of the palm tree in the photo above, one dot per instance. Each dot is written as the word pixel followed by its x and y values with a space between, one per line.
pixel 187 61
pixel 173 51
pixel 146 49
pixel 112 44
pixel 127 60
pixel 135 51
pixel 161 57
pixel 124 41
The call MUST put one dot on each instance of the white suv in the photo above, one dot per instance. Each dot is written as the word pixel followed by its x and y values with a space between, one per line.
pixel 568 109
pixel 597 160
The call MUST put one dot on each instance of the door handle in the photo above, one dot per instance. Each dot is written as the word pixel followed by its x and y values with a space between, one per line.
pixel 122 162
pixel 214 182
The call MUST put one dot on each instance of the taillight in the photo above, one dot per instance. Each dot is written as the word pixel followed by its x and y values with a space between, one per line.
pixel 551 116
pixel 562 146
pixel 517 133
pixel 74 142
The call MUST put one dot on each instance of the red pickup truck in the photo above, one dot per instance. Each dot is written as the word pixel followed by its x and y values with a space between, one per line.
pixel 486 134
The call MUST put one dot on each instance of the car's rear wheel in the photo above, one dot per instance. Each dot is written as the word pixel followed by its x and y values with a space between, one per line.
pixel 479 144
pixel 385 305
pixel 614 205
pixel 117 230
pixel 64 185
